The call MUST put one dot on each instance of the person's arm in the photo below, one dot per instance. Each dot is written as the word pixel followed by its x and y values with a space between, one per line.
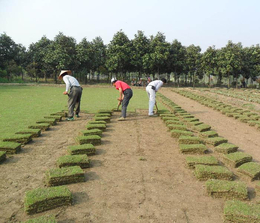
pixel 158 86
pixel 66 81
pixel 121 95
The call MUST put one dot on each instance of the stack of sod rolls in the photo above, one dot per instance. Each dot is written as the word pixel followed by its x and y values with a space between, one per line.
pixel 42 199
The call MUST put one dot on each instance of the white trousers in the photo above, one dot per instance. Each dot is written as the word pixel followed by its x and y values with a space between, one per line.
pixel 151 95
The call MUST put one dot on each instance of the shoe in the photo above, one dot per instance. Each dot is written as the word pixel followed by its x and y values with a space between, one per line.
pixel 77 116
pixel 154 115
pixel 121 119
pixel 70 119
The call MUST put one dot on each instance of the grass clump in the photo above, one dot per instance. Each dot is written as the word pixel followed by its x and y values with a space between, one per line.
pixel 43 199
pixel 215 141
pixel 91 132
pixel 189 140
pixel 251 170
pixel 238 211
pixel 87 149
pixel 74 160
pixel 227 189
pixel 65 175
pixel 204 172
pixel 193 148
pixel 237 158
pixel 203 160
pixel 90 139
pixel 10 147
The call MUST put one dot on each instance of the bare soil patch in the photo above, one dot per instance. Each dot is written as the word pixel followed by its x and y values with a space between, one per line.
pixel 137 175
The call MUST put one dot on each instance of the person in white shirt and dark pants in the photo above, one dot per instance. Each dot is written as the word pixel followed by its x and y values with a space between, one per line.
pixel 151 90
pixel 74 92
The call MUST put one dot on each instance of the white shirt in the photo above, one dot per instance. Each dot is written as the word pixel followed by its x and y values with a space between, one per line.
pixel 157 84
pixel 70 81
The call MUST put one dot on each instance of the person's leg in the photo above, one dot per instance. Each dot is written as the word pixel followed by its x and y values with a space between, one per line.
pixel 71 102
pixel 127 96
pixel 78 99
pixel 151 101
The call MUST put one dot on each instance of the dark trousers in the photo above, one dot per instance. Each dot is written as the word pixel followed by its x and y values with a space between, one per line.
pixel 74 101
pixel 128 93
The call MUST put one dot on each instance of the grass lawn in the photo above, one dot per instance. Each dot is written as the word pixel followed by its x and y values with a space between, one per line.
pixel 23 105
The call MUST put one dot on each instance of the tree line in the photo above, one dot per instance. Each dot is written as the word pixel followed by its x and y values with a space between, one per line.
pixel 122 57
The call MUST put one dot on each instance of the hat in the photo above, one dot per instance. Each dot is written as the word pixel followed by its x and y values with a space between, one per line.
pixel 113 80
pixel 63 72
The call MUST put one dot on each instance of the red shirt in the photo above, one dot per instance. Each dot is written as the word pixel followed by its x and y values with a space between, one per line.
pixel 122 85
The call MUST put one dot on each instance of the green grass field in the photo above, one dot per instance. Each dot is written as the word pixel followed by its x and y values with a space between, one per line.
pixel 22 106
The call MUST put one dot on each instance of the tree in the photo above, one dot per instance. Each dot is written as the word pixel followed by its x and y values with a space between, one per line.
pixel 118 54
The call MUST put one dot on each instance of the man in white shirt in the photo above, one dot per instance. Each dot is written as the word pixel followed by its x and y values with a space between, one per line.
pixel 74 91
pixel 151 90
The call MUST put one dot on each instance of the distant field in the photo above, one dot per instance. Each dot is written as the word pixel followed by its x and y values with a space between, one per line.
pixel 24 105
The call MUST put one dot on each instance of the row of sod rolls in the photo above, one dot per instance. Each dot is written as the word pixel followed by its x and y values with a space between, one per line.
pixel 14 143
pixel 215 161
pixel 69 170
pixel 243 115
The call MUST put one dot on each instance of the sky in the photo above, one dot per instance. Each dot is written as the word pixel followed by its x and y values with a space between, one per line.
pixel 203 23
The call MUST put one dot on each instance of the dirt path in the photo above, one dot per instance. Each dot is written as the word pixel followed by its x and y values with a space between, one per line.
pixel 137 175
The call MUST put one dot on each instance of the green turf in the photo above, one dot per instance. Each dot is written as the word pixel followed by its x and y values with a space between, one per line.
pixel 23 105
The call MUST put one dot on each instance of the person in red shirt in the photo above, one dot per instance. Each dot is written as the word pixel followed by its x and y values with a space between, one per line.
pixel 125 94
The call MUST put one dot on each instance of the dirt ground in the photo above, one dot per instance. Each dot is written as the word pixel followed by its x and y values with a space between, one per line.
pixel 137 175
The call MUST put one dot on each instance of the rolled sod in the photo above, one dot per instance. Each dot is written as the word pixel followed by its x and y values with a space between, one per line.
pixel 74 160
pixel 203 160
pixel 167 115
pixel 236 159
pixel 87 149
pixel 58 118
pixel 204 172
pixel 96 126
pixel 105 111
pixel 238 211
pixel 33 132
pixel 191 124
pixel 201 128
pixel 176 127
pixel 42 219
pixel 174 122
pixel 190 119
pixel 170 118
pixel 62 114
pixel 19 138
pixel 208 134
pixel 2 156
pixel 49 121
pixel 193 148
pixel 90 139
pixel 251 170
pixel 253 123
pixel 43 199
pixel 10 147
pixel 42 126
pixel 103 118
pixel 179 133
pixel 189 140
pixel 97 122
pixel 65 175
pixel 102 115
pixel 226 148
pixel 227 189
pixel 215 141
pixel 244 119
pixel 91 132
